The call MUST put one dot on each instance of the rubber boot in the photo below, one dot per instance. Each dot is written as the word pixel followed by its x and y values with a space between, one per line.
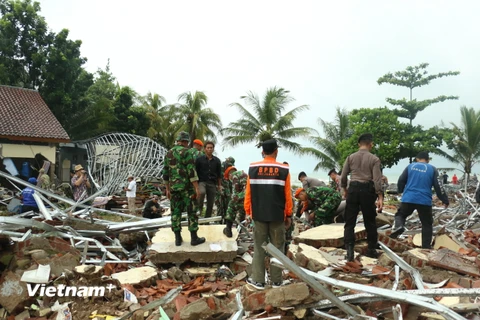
pixel 195 239
pixel 350 252
pixel 178 238
pixel 228 229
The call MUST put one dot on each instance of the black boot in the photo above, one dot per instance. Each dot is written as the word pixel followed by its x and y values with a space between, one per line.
pixel 228 229
pixel 350 252
pixel 195 239
pixel 372 251
pixel 178 238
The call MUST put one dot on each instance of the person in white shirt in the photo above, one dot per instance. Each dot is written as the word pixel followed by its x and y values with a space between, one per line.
pixel 131 190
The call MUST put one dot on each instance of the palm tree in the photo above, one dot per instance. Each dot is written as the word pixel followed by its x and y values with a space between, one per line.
pixel 200 121
pixel 465 143
pixel 326 149
pixel 164 122
pixel 267 121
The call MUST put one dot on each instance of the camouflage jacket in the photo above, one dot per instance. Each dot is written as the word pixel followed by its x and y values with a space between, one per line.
pixel 318 195
pixel 239 181
pixel 179 168
pixel 195 153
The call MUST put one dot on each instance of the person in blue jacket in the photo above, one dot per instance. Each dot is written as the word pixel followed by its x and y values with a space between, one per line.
pixel 29 203
pixel 416 183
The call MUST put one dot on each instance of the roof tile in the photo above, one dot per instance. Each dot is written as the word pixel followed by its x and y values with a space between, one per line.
pixel 23 113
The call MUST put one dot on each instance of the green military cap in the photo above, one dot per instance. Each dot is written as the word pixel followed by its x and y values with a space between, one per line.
pixel 230 160
pixel 183 136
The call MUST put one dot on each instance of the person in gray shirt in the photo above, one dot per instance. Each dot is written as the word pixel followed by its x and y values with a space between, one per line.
pixel 308 182
pixel 364 190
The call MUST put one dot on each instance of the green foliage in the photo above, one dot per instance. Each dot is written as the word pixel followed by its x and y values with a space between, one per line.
pixel 65 81
pixel 464 140
pixel 164 121
pixel 198 120
pixel 267 121
pixel 32 57
pixel 326 150
pixel 386 129
pixel 415 77
pixel 24 43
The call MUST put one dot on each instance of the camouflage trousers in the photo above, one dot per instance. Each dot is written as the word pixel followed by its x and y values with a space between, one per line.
pixel 326 211
pixel 289 231
pixel 181 201
pixel 221 202
pixel 235 211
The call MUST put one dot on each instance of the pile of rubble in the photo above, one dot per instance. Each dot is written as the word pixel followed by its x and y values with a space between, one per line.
pixel 131 269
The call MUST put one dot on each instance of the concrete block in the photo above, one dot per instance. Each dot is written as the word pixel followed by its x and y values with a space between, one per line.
pixel 217 247
pixel 287 296
pixel 13 292
pixel 144 276
pixel 328 235
pixel 417 258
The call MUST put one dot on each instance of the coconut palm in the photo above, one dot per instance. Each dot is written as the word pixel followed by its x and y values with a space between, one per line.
pixel 267 121
pixel 465 143
pixel 199 120
pixel 325 149
pixel 164 122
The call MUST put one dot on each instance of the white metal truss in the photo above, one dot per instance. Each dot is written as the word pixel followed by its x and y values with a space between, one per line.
pixel 113 157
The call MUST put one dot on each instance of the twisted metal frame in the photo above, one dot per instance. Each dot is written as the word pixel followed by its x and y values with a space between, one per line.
pixel 113 157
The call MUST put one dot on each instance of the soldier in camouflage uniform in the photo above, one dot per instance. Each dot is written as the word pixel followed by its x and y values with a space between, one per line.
pixel 236 210
pixel 323 201
pixel 181 181
pixel 223 198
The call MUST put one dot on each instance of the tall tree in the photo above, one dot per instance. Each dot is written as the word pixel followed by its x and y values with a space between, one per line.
pixel 411 78
pixel 65 82
pixel 164 122
pixel 199 120
pixel 325 149
pixel 267 121
pixel 465 140
pixel 24 42
pixel 129 118
pixel 33 57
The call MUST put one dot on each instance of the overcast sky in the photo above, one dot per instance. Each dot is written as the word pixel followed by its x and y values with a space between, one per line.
pixel 327 53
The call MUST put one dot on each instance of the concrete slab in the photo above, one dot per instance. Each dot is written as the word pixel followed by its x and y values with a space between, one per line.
pixel 137 276
pixel 217 247
pixel 449 260
pixel 444 241
pixel 328 235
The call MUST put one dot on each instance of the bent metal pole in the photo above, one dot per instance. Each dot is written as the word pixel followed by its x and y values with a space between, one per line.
pixel 68 201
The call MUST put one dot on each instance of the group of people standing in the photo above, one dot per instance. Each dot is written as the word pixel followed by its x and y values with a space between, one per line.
pixel 191 176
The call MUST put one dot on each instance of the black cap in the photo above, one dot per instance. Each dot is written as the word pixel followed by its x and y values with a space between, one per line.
pixel 332 171
pixel 366 137
pixel 423 155
pixel 301 174
pixel 269 146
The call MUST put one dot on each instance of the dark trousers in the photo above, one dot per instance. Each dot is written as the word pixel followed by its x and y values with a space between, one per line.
pixel 361 196
pixel 29 208
pixel 208 189
pixel 273 232
pixel 425 215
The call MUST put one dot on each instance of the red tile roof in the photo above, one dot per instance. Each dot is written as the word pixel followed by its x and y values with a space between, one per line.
pixel 25 116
